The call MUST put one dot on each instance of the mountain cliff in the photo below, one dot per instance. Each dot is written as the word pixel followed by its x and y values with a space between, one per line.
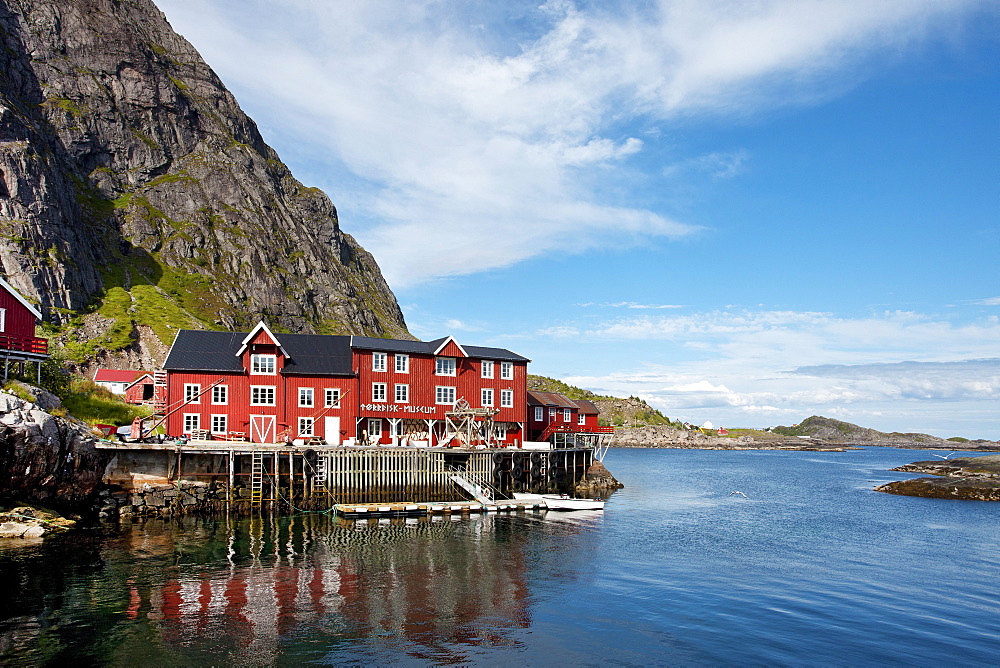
pixel 136 197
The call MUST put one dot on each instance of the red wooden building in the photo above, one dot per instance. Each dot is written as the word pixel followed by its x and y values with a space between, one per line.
pixel 116 380
pixel 141 390
pixel 588 415
pixel 271 388
pixel 18 342
pixel 552 412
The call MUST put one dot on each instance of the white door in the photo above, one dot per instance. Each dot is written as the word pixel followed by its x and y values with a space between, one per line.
pixel 331 430
pixel 262 428
pixel 374 430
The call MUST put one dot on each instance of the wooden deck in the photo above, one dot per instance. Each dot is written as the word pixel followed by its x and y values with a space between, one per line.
pixel 359 511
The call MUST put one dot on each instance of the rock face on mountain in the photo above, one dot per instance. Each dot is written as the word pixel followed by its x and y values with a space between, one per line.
pixel 133 188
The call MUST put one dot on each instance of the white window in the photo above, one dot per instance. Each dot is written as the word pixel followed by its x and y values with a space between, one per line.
pixel 220 395
pixel 487 369
pixel 552 414
pixel 262 395
pixel 506 370
pixel 263 364
pixel 402 363
pixel 305 426
pixel 486 397
pixel 374 427
pixel 444 366
pixel 506 398
pixel 3 320
pixel 332 399
pixel 402 394
pixel 444 395
pixel 378 361
pixel 567 415
pixel 581 419
pixel 539 413
pixel 192 421
pixel 220 424
pixel 378 391
pixel 306 397
pixel 191 392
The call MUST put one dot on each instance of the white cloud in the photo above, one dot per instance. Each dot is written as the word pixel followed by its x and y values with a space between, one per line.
pixel 559 332
pixel 992 301
pixel 634 305
pixel 754 368
pixel 716 165
pixel 475 146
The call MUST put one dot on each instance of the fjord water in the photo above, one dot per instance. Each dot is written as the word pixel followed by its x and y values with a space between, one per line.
pixel 811 567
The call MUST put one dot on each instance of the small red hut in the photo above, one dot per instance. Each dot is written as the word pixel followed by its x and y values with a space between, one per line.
pixel 18 342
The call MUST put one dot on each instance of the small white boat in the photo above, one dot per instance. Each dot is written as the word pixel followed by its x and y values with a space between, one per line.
pixel 563 502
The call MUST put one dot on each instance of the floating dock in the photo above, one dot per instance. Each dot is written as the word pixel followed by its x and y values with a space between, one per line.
pixel 358 511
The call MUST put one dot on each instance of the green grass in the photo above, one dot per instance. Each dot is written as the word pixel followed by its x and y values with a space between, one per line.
pixel 94 404
pixel 545 384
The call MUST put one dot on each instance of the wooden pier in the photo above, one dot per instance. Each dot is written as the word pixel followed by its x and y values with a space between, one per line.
pixel 351 478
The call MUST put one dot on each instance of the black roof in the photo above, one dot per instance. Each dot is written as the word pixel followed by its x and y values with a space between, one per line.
pixel 201 350
pixel 317 354
pixel 428 348
pixel 324 354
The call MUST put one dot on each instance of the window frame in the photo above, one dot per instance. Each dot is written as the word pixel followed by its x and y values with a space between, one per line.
pixel 440 390
pixel 329 402
pixel 406 393
pixel 188 419
pixel 449 365
pixel 581 419
pixel 380 362
pixel 401 363
pixel 483 394
pixel 372 432
pixel 486 369
pixel 264 389
pixel 567 414
pixel 192 397
pixel 256 365
pixel 307 421
pixel 309 394
pixel 377 389
pixel 539 414
pixel 506 398
pixel 506 371
pixel 224 391
pixel 225 423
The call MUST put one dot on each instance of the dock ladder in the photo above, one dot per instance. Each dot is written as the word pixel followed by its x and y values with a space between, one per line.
pixel 257 478
pixel 319 478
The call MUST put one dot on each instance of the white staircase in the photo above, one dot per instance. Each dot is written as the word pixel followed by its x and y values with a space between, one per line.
pixel 479 489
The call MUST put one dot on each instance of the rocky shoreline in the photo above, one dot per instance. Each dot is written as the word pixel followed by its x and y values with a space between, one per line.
pixel 968 478
pixel 823 439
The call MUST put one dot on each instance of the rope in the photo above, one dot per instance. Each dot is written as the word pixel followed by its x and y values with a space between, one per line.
pixel 277 492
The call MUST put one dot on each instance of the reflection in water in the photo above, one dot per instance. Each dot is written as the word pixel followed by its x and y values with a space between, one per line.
pixel 263 589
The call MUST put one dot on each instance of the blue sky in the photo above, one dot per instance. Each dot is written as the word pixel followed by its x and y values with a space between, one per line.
pixel 744 212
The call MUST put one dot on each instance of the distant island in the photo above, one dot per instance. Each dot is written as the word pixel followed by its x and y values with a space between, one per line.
pixel 639 425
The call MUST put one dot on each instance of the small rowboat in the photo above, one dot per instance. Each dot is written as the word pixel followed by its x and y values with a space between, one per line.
pixel 563 502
